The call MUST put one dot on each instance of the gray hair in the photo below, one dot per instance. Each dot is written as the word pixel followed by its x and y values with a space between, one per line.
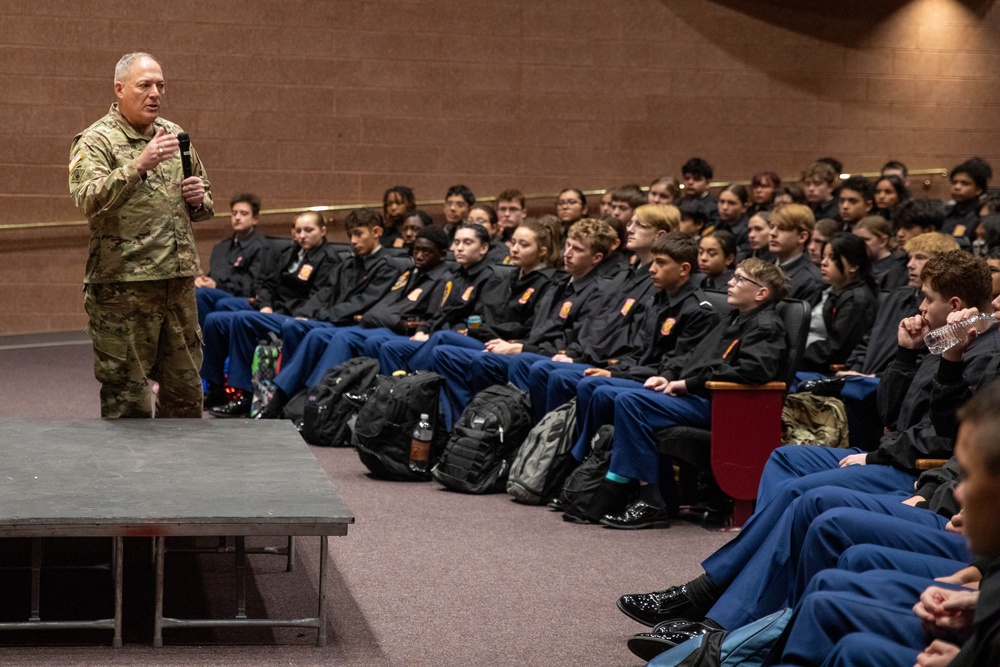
pixel 125 64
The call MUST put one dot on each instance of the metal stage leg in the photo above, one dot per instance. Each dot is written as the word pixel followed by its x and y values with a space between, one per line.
pixel 241 577
pixel 291 554
pixel 118 549
pixel 158 603
pixel 36 578
pixel 321 635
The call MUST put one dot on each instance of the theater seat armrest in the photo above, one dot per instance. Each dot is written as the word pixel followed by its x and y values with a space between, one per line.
pixel 930 464
pixel 736 386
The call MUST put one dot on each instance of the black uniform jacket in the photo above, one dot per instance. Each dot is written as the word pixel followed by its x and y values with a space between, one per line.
pixel 415 296
pixel 848 314
pixel 461 295
pixel 236 265
pixel 876 350
pixel 609 334
pixel 562 314
pixel 749 348
pixel 287 284
pixel 508 302
pixel 805 282
pixel 672 326
pixel 354 287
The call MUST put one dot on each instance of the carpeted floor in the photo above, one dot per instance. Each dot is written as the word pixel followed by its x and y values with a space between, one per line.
pixel 425 577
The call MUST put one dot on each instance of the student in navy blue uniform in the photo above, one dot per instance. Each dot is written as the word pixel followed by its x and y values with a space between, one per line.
pixel 416 295
pixel 819 181
pixel 485 215
pixel 571 207
pixel 969 181
pixel 716 260
pixel 888 264
pixel 611 334
pixel 408 231
pixel 293 276
pixel 463 298
pixel 849 310
pixel 561 316
pixel 732 204
pixel 854 201
pixel 457 202
pixel 236 262
pixel 624 201
pixel 748 348
pixel 398 203
pixel 888 195
pixel 951 281
pixel 917 216
pixel 822 232
pixel 763 186
pixel 693 219
pixel 672 324
pixel 759 235
pixel 791 226
pixel 697 175
pixel 665 191
pixel 352 288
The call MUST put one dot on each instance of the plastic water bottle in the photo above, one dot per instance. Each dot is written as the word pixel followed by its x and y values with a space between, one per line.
pixel 950 335
pixel 420 445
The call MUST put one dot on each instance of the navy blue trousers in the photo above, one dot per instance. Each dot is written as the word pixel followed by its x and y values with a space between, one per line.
pixel 211 299
pixel 321 350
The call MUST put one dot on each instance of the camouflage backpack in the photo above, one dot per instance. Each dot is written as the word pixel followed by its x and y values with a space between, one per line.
pixel 265 366
pixel 808 419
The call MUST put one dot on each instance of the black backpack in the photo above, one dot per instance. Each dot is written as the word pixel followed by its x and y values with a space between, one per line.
pixel 581 487
pixel 484 441
pixel 384 428
pixel 544 460
pixel 326 415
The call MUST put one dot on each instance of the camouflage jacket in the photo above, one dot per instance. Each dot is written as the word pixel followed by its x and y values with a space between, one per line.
pixel 140 229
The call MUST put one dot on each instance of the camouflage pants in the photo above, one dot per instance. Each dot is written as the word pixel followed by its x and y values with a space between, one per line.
pixel 142 332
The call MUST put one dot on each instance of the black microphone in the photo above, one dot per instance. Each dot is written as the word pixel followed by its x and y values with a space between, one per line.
pixel 185 142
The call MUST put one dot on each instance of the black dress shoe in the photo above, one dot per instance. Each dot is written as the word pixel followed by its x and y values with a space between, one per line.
pixel 268 412
pixel 555 504
pixel 238 407
pixel 670 604
pixel 638 515
pixel 665 636
pixel 214 398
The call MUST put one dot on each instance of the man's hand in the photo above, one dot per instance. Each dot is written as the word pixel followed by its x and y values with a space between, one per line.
pixel 947 613
pixel 162 147
pixel 676 388
pixel 968 576
pixel 193 191
pixel 955 352
pixel 854 460
pixel 596 372
pixel 843 374
pixel 419 337
pixel 562 358
pixel 938 654
pixel 656 383
pixel 956 524
pixel 911 332
pixel 500 346
pixel 204 281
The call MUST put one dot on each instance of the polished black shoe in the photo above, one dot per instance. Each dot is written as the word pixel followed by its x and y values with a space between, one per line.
pixel 238 407
pixel 214 398
pixel 268 412
pixel 670 604
pixel 638 515
pixel 555 504
pixel 665 636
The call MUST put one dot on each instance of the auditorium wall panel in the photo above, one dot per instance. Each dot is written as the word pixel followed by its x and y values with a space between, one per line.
pixel 324 102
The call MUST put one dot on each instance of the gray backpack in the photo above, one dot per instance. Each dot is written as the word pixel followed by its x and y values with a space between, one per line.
pixel 544 461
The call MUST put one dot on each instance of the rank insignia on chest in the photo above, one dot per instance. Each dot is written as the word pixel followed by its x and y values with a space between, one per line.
pixel 415 294
pixel 959 230
pixel 239 261
pixel 667 326
pixel 565 308
pixel 447 292
pixel 627 306
pixel 401 281
pixel 526 296
pixel 730 348
pixel 467 294
pixel 305 271
pixel 398 243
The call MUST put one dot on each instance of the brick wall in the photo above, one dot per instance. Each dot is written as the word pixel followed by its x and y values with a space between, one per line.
pixel 319 102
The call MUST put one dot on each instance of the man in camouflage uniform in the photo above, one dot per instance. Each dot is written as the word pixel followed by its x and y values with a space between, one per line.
pixel 125 176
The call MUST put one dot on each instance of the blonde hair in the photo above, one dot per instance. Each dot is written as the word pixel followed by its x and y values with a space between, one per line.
pixel 661 216
pixel 932 242
pixel 797 217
